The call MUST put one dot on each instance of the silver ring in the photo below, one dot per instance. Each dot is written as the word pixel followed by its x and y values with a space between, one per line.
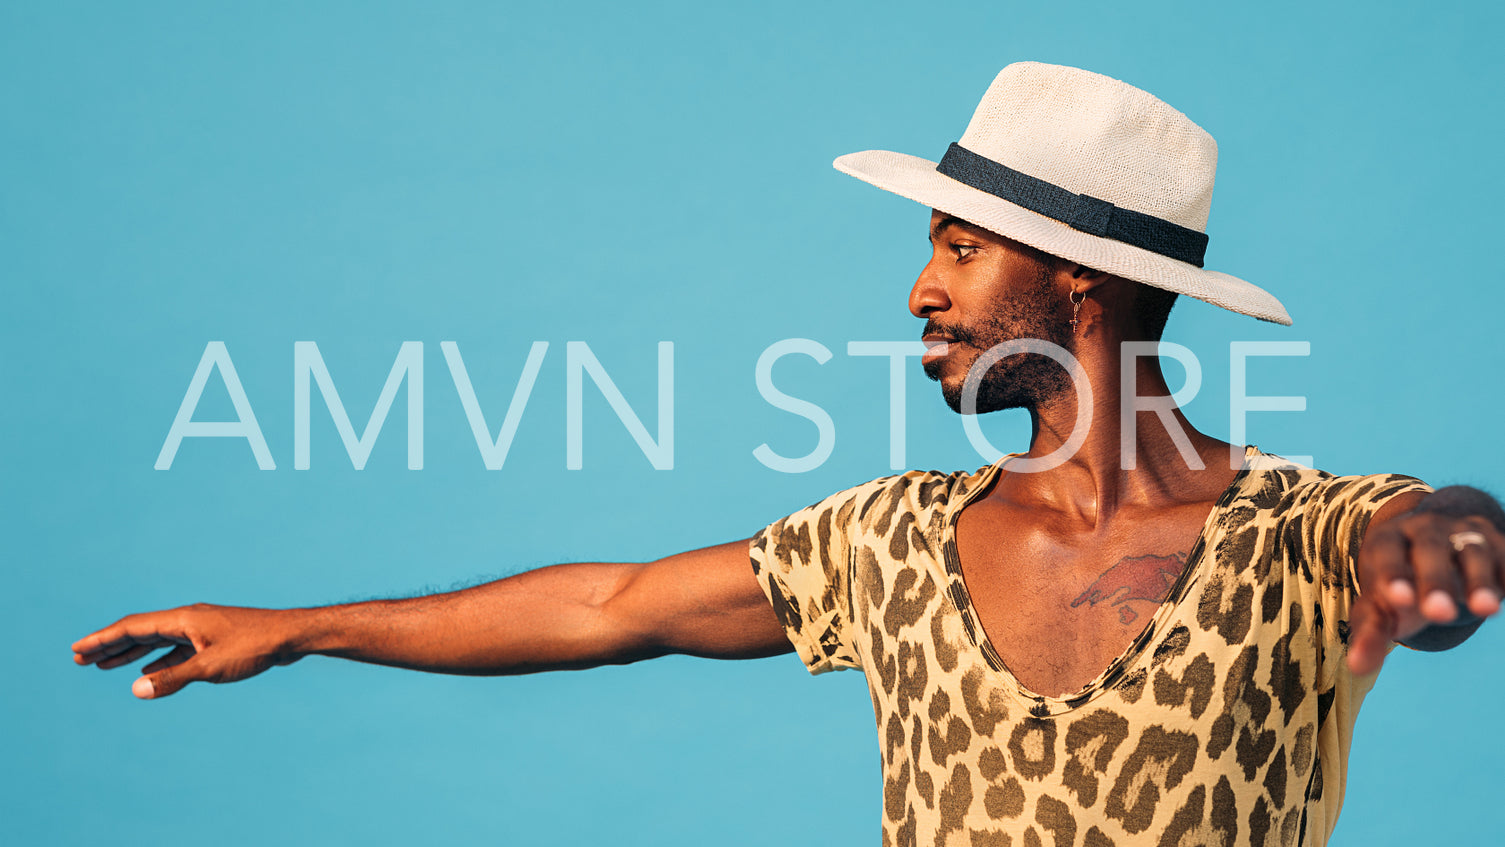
pixel 1460 540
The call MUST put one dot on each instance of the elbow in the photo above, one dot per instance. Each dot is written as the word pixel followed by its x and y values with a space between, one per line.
pixel 623 624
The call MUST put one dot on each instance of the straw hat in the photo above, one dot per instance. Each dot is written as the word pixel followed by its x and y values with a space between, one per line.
pixel 1084 167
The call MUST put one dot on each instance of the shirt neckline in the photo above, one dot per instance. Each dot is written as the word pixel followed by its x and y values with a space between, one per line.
pixel 1041 705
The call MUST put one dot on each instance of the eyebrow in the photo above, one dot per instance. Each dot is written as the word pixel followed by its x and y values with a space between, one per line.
pixel 946 223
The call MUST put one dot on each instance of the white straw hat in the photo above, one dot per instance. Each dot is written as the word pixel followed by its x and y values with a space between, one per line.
pixel 1084 167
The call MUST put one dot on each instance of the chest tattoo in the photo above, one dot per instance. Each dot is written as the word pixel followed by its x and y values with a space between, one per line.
pixel 1134 578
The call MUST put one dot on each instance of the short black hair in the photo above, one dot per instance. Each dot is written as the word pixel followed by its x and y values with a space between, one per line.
pixel 1152 308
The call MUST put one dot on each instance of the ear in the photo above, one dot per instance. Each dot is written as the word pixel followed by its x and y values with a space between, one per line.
pixel 1083 278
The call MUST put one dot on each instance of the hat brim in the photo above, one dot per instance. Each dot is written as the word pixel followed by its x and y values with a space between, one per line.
pixel 918 180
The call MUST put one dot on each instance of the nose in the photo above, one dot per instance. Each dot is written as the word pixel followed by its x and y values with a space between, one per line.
pixel 929 293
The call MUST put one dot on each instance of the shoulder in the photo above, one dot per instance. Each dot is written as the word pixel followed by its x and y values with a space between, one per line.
pixel 913 490
pixel 877 506
pixel 1280 485
pixel 916 491
pixel 1311 518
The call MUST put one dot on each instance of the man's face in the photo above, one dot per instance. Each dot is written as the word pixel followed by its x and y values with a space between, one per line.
pixel 978 290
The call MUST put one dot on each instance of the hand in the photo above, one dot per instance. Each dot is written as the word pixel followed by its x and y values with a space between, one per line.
pixel 1426 569
pixel 209 644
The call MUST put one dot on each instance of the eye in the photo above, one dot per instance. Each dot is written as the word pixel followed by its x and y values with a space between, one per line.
pixel 962 251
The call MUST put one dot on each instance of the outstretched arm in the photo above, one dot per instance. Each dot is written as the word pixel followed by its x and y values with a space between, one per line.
pixel 1431 569
pixel 701 603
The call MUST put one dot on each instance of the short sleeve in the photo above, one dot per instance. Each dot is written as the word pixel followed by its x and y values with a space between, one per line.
pixel 1337 514
pixel 804 565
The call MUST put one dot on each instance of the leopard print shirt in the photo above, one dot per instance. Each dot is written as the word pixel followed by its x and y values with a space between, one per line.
pixel 1226 722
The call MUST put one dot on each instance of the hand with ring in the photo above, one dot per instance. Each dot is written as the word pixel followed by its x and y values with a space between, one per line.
pixel 1427 576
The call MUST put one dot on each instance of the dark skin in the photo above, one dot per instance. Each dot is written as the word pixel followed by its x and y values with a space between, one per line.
pixel 1035 547
pixel 1065 566
pixel 1032 549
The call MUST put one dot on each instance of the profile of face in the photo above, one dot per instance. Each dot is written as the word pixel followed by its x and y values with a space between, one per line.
pixel 978 290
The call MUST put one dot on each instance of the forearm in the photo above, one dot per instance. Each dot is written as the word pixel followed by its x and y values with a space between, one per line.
pixel 554 618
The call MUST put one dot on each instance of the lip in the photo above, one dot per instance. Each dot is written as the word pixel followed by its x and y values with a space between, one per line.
pixel 935 347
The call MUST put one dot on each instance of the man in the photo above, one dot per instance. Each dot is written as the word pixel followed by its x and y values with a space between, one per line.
pixel 1119 636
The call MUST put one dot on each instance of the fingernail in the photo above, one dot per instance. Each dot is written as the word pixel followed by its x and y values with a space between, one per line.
pixel 143 688
pixel 1401 592
pixel 1438 605
pixel 1484 601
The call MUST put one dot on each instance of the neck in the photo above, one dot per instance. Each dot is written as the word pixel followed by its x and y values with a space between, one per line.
pixel 1152 458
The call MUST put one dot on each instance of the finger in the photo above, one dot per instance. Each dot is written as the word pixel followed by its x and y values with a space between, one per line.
pixel 177 656
pixel 1371 629
pixel 1385 572
pixel 133 629
pixel 1481 583
pixel 1495 542
pixel 113 650
pixel 104 639
pixel 127 657
pixel 167 681
pixel 1438 586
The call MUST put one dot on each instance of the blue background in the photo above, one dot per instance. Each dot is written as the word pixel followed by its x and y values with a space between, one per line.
pixel 364 174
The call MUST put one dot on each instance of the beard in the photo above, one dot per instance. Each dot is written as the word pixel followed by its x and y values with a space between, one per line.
pixel 1019 381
